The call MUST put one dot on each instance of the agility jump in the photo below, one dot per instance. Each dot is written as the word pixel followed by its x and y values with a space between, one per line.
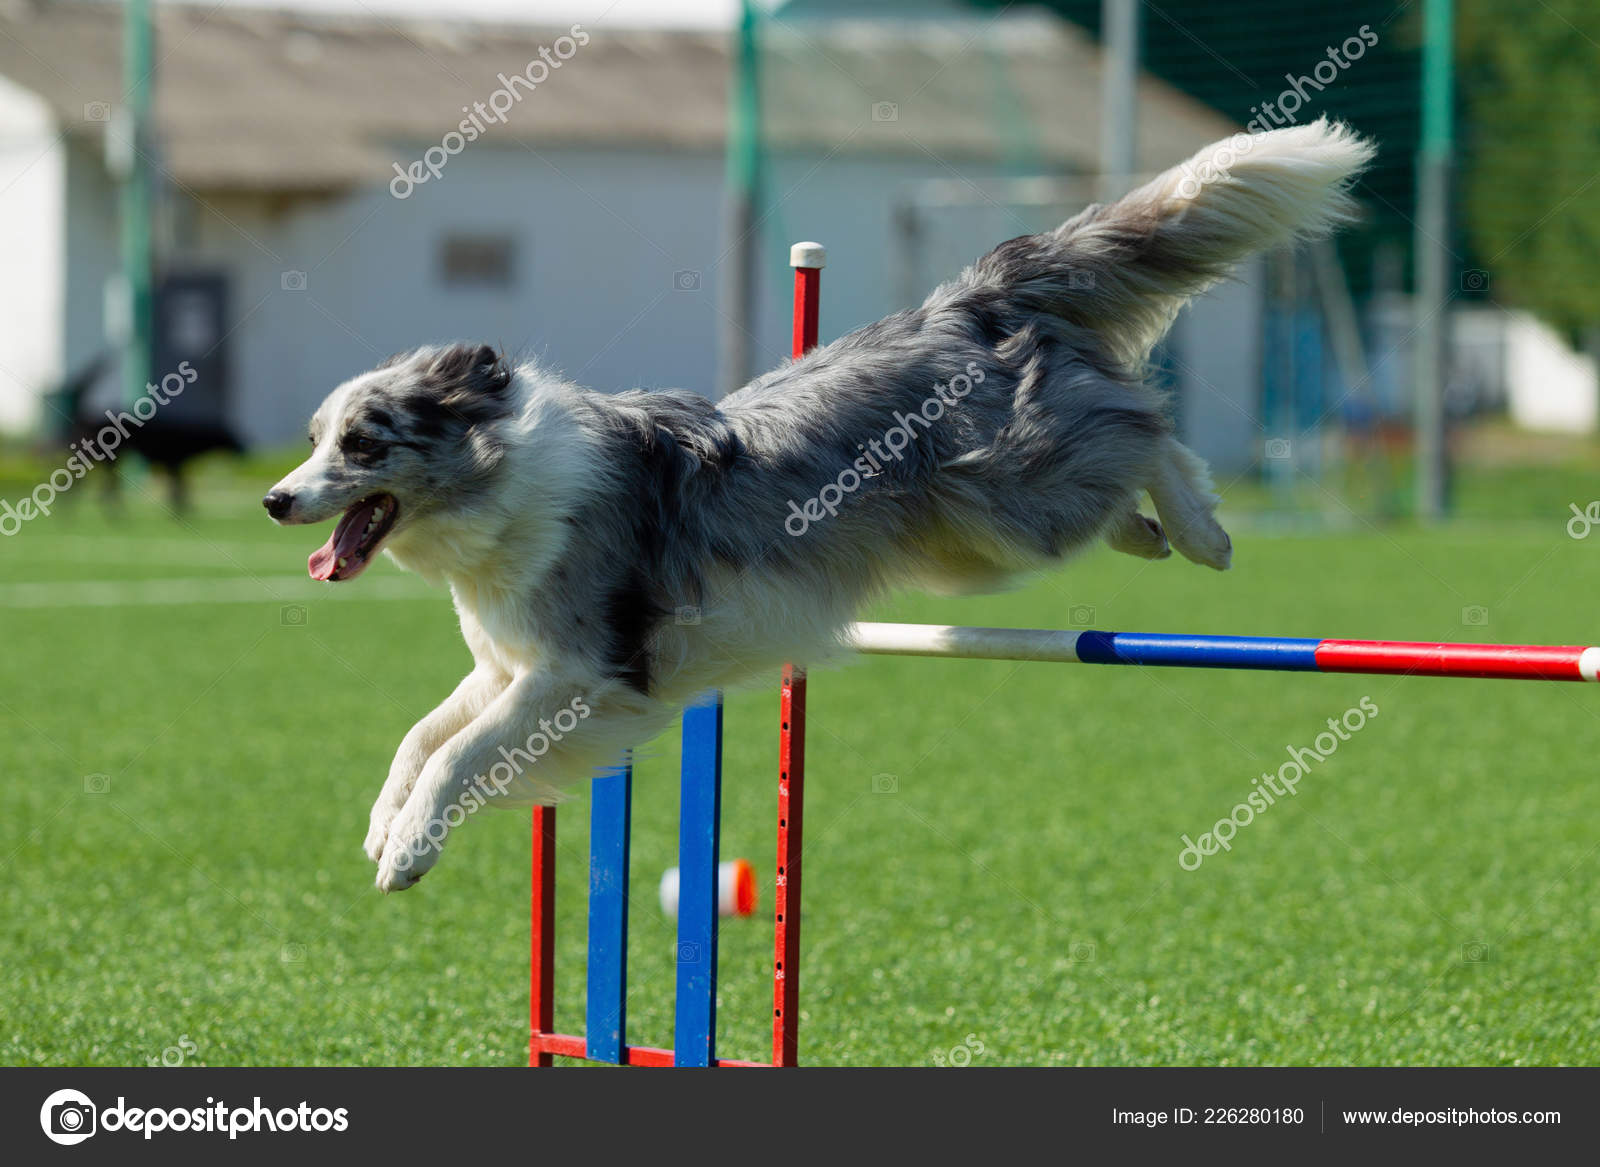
pixel 694 1036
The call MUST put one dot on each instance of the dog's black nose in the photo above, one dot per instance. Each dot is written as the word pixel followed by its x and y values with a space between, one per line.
pixel 278 503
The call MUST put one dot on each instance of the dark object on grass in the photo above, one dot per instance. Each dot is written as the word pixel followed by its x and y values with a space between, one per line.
pixel 162 441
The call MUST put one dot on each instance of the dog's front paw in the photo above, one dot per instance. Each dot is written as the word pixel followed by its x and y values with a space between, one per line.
pixel 377 836
pixel 401 866
pixel 409 853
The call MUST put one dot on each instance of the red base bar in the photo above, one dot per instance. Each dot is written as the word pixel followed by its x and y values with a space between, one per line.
pixel 568 1046
pixel 1551 663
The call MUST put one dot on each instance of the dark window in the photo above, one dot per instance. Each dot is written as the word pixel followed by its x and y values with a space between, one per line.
pixel 482 261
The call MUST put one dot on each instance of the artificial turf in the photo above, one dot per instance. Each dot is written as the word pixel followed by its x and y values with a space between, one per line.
pixel 193 734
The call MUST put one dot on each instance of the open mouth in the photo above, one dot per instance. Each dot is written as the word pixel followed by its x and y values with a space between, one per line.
pixel 355 540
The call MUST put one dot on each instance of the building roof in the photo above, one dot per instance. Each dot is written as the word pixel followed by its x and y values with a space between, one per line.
pixel 277 101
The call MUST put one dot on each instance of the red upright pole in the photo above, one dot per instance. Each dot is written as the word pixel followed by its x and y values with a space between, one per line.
pixel 542 963
pixel 807 259
pixel 786 888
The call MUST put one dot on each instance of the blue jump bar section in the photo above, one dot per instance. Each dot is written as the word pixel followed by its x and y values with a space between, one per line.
pixel 611 809
pixel 699 825
pixel 1279 653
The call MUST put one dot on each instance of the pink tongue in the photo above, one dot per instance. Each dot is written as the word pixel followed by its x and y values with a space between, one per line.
pixel 342 544
pixel 320 565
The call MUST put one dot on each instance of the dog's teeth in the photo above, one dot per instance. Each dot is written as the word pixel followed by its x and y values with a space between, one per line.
pixel 344 563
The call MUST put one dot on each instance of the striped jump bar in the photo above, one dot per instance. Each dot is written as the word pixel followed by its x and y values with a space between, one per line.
pixel 1531 662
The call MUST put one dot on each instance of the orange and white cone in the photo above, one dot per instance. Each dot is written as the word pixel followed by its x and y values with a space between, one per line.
pixel 736 889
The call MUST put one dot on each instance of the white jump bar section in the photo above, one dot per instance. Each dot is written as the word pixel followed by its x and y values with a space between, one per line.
pixel 1035 644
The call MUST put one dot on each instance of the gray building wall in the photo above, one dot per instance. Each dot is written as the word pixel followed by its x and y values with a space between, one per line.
pixel 615 281
pixel 602 239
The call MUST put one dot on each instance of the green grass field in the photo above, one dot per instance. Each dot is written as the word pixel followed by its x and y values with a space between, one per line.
pixel 193 734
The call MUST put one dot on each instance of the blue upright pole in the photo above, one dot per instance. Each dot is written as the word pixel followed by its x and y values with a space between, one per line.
pixel 610 813
pixel 699 825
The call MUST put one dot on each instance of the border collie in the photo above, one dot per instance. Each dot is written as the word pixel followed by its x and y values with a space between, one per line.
pixel 613 555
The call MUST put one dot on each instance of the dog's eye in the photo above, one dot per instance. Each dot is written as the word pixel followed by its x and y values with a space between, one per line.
pixel 362 444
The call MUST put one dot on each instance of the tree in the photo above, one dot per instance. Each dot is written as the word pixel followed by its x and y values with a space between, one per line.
pixel 1530 171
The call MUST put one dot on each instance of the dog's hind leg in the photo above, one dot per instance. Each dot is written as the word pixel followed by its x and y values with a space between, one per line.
pixel 1135 534
pixel 1181 489
pixel 470 698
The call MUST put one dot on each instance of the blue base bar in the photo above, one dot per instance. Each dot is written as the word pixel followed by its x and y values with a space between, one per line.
pixel 1205 652
pixel 699 825
pixel 611 803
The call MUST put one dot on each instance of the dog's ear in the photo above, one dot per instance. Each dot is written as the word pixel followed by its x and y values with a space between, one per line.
pixel 457 385
pixel 459 373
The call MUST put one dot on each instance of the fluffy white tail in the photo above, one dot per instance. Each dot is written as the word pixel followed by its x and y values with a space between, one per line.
pixel 1123 270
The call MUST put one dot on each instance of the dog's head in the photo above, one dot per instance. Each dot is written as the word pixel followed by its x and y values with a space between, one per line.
pixel 412 440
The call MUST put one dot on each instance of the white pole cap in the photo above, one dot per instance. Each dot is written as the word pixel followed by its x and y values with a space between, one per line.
pixel 808 255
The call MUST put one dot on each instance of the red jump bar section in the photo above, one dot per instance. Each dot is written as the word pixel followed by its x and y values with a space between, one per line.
pixel 1551 663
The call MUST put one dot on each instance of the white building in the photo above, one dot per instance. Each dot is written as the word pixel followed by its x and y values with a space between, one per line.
pixel 585 227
